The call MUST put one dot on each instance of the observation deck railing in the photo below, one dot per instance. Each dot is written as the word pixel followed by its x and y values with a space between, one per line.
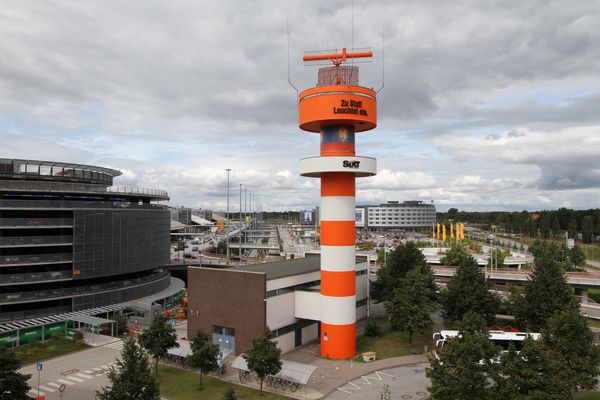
pixel 16 260
pixel 35 240
pixel 35 222
pixel 35 277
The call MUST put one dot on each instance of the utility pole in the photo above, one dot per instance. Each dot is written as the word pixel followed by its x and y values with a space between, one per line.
pixel 227 215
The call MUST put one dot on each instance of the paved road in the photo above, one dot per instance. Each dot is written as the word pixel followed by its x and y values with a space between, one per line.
pixel 406 382
pixel 82 373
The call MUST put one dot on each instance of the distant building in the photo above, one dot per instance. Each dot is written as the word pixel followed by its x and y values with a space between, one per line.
pixel 70 241
pixel 407 215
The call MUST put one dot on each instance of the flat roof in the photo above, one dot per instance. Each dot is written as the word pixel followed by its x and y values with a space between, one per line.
pixel 285 268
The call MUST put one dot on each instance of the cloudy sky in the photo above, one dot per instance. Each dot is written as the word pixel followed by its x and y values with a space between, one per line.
pixel 487 105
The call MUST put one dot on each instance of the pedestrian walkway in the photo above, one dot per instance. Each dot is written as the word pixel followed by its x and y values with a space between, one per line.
pixel 70 378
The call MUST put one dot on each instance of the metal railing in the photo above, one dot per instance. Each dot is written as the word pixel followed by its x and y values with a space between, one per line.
pixel 16 297
pixel 35 240
pixel 29 222
pixel 88 188
pixel 35 277
pixel 73 204
pixel 35 259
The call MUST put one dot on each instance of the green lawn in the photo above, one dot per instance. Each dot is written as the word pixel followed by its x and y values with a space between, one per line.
pixel 33 352
pixel 392 344
pixel 178 384
pixel 588 396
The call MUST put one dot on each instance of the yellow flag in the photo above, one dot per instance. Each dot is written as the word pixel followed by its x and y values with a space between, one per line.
pixel 452 231
pixel 433 231
pixel 444 233
pixel 438 231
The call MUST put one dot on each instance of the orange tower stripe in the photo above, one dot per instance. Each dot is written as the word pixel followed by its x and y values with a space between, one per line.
pixel 337 283
pixel 338 233
pixel 337 149
pixel 337 184
pixel 341 341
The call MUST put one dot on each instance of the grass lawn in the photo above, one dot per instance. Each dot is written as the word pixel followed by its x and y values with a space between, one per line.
pixel 178 384
pixel 33 352
pixel 392 344
pixel 588 396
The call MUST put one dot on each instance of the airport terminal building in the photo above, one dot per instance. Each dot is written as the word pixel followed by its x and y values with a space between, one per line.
pixel 69 240
pixel 235 305
pixel 408 215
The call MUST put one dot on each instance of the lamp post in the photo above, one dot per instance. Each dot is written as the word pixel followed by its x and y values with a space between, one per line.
pixel 227 215
pixel 240 248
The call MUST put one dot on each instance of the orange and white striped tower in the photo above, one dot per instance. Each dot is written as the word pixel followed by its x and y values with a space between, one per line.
pixel 337 109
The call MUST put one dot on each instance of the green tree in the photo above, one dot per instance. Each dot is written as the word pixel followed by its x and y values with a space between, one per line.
pixel 572 228
pixel 158 338
pixel 13 385
pixel 453 214
pixel 204 354
pixel 411 305
pixel 229 394
pixel 131 378
pixel 530 374
pixel 545 293
pixel 121 326
pixel 569 341
pixel 555 227
pixel 457 255
pixel 469 290
pixel 587 229
pixel 496 258
pixel 464 368
pixel 264 358
pixel 403 259
pixel 577 257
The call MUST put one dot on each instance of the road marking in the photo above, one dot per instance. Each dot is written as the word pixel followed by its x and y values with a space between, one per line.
pixel 84 376
pixel 76 379
pixel 89 371
pixel 46 388
pixel 104 366
pixel 35 393
pixel 56 385
pixel 96 369
pixel 66 382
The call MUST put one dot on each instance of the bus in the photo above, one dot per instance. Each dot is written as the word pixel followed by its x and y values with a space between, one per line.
pixel 499 338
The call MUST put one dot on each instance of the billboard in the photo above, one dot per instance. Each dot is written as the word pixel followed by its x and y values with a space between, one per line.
pixel 308 217
pixel 359 217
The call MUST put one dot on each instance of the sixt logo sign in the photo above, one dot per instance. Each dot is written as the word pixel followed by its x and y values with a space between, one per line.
pixel 350 164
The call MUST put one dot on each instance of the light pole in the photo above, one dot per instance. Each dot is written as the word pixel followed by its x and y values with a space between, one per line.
pixel 240 248
pixel 227 215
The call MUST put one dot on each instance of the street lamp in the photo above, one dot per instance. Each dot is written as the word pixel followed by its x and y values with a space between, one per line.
pixel 227 215
pixel 240 248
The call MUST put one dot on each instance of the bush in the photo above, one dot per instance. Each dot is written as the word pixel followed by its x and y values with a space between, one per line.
pixel 77 336
pixel 229 394
pixel 372 329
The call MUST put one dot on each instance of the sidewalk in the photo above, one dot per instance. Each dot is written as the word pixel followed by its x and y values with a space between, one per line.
pixel 331 374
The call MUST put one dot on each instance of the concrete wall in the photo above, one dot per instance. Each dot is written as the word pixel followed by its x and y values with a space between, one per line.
pixel 229 298
pixel 280 311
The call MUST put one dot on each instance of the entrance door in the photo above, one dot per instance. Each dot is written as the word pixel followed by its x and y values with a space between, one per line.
pixel 298 337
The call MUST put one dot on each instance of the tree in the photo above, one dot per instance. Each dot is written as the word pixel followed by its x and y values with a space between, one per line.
pixel 204 354
pixel 411 305
pixel 530 374
pixel 403 259
pixel 496 258
pixel 457 255
pixel 121 326
pixel 229 394
pixel 572 228
pixel 587 229
pixel 569 341
pixel 131 378
pixel 469 290
pixel 159 338
pixel 13 385
pixel 577 257
pixel 545 293
pixel 453 214
pixel 264 358
pixel 465 365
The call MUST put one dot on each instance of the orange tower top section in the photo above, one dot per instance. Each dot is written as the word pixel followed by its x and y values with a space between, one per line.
pixel 340 103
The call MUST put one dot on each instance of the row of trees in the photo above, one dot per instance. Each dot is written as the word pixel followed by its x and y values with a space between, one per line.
pixel 564 361
pixel 547 223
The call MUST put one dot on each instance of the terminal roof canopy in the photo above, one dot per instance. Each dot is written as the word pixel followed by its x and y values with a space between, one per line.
pixel 290 370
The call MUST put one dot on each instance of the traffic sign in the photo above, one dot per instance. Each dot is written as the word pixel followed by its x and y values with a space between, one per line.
pixel 62 388
pixel 173 323
pixel 38 366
